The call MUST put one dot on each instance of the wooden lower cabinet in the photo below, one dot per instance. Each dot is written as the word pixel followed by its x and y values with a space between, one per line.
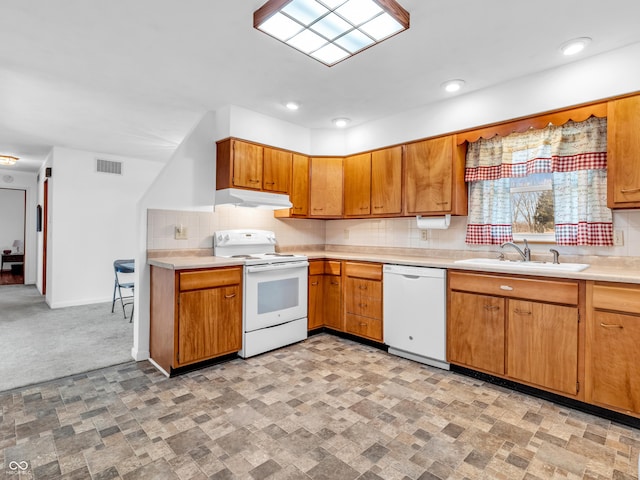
pixel 346 297
pixel 476 331
pixel 363 299
pixel 542 345
pixel 333 302
pixel 500 325
pixel 196 315
pixel 613 337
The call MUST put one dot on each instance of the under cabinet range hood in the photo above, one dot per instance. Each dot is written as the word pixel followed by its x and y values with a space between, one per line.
pixel 252 198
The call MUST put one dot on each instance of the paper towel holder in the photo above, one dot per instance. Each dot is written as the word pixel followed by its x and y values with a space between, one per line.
pixel 437 223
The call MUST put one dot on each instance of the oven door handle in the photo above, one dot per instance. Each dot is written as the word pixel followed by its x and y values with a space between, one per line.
pixel 276 266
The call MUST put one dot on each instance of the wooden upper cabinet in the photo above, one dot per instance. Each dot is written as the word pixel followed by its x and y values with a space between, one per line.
pixel 299 193
pixel 623 153
pixel 238 165
pixel 434 177
pixel 326 187
pixel 357 185
pixel 247 165
pixel 276 170
pixel 386 181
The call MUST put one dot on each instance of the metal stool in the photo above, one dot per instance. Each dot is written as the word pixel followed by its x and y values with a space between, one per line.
pixel 122 267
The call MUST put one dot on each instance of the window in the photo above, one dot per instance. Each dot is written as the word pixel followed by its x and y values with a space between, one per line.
pixel 532 215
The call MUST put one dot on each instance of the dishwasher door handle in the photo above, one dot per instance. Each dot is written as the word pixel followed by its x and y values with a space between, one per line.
pixel 412 277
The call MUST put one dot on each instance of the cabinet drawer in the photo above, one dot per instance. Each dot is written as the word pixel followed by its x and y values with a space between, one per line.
pixel 365 306
pixel 316 267
pixel 553 291
pixel 617 298
pixel 372 271
pixel 218 277
pixel 332 267
pixel 364 327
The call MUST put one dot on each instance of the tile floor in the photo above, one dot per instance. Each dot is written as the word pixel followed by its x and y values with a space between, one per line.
pixel 327 408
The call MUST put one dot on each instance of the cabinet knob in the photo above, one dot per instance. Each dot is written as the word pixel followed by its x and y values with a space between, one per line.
pixel 508 288
pixel 442 203
pixel 517 311
pixel 314 284
pixel 362 287
pixel 491 307
pixel 230 296
pixel 363 305
pixel 254 180
pixel 363 324
pixel 269 183
pixel 629 190
pixel 378 206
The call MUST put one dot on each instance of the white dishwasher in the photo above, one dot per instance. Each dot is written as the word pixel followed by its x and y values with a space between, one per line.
pixel 415 313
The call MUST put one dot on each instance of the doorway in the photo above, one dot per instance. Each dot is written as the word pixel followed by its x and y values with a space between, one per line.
pixel 12 225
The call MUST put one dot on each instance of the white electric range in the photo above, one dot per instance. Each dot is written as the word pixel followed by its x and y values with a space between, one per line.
pixel 274 289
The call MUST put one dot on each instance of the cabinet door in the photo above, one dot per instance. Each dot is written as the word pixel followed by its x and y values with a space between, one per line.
pixel 315 297
pixel 386 181
pixel 612 347
pixel 326 187
pixel 475 331
pixel 428 176
pixel 247 165
pixel 276 170
pixel 543 345
pixel 333 304
pixel 209 324
pixel 623 153
pixel 299 194
pixel 357 185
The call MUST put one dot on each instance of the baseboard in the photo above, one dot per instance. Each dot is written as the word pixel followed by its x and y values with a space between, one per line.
pixel 139 355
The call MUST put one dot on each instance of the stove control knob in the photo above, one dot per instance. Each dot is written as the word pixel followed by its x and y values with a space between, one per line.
pixel 226 238
pixel 219 238
pixel 272 238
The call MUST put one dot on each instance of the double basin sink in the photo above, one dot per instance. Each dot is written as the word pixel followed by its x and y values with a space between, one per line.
pixel 521 266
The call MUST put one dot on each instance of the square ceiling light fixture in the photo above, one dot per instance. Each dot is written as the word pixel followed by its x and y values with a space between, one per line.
pixel 331 30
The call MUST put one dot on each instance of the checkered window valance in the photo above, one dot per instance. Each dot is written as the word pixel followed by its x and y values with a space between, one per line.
pixel 576 155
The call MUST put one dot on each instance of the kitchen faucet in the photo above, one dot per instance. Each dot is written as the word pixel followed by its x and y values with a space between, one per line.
pixel 526 254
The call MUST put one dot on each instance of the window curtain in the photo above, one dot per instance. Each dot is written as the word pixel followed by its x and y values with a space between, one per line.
pixel 575 153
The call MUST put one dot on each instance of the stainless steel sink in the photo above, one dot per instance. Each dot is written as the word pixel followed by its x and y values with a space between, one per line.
pixel 521 266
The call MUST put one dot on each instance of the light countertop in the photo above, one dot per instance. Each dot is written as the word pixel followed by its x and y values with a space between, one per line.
pixel 608 273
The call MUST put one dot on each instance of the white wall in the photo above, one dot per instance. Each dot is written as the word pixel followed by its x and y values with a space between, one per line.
pixel 595 78
pixel 92 222
pixel 27 182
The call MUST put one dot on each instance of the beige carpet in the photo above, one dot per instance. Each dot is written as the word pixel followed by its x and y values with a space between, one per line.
pixel 40 344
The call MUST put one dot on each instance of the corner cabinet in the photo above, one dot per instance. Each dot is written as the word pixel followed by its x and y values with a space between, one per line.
pixel 196 315
pixel 434 177
pixel 613 336
pixel 326 189
pixel 521 328
pixel 623 153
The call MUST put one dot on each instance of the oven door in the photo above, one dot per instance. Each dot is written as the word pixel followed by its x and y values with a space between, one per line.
pixel 275 294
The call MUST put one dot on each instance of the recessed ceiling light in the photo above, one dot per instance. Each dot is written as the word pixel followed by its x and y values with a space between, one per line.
pixel 453 85
pixel 331 30
pixel 292 105
pixel 341 122
pixel 574 46
pixel 8 160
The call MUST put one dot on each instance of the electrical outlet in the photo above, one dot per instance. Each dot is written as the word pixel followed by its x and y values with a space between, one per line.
pixel 424 235
pixel 181 233
pixel 618 238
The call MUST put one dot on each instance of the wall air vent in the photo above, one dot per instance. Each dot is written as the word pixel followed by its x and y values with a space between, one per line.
pixel 108 166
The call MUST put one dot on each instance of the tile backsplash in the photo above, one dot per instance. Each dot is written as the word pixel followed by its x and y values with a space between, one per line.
pixel 389 232
pixel 201 226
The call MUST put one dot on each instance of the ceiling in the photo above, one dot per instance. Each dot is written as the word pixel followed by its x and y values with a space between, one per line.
pixel 131 78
